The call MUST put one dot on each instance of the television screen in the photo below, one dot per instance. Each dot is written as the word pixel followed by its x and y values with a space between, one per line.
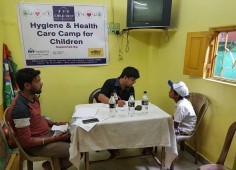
pixel 151 10
pixel 148 13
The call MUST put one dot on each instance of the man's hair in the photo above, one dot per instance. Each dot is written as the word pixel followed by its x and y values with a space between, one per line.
pixel 25 75
pixel 130 72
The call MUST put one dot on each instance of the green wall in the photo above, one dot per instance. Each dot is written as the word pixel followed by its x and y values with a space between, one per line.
pixel 157 58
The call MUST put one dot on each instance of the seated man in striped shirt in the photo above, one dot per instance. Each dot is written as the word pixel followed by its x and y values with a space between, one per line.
pixel 32 130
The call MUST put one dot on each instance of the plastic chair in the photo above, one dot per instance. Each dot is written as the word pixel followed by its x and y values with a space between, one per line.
pixel 94 95
pixel 55 164
pixel 221 160
pixel 200 104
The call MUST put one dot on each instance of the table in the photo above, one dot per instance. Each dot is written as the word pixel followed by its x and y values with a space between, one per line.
pixel 120 132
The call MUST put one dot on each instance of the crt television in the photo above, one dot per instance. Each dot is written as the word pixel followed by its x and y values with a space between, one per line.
pixel 148 13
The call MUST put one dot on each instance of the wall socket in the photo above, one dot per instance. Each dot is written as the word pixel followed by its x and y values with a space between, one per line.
pixel 113 27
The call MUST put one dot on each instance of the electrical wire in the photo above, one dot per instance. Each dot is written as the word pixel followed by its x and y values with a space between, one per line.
pixel 166 36
pixel 120 47
pixel 127 42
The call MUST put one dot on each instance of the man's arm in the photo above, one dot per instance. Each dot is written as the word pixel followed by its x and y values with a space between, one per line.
pixel 105 99
pixel 46 140
pixel 105 92
pixel 29 141
pixel 51 123
pixel 176 124
pixel 21 118
pixel 178 116
pixel 102 98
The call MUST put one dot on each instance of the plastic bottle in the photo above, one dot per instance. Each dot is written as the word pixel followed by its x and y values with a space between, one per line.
pixel 112 106
pixel 116 99
pixel 131 105
pixel 145 103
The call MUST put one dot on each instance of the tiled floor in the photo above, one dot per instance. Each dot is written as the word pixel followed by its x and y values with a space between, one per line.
pixel 184 162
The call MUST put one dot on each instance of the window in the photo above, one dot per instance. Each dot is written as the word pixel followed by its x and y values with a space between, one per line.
pixel 212 54
pixel 225 56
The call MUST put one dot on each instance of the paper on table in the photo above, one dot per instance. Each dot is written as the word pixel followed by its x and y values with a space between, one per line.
pixel 59 129
pixel 85 112
pixel 88 126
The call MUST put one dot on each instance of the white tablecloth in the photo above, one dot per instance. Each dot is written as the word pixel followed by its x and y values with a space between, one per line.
pixel 154 129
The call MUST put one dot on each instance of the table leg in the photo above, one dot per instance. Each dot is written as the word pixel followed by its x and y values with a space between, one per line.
pixel 163 155
pixel 86 160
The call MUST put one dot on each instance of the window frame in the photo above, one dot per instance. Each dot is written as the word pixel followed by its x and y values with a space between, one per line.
pixel 206 69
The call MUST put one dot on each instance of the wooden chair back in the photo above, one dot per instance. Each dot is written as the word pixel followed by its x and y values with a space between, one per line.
pixel 219 165
pixel 227 143
pixel 200 104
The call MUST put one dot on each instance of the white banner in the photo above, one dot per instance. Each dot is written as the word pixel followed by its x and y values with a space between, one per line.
pixel 59 34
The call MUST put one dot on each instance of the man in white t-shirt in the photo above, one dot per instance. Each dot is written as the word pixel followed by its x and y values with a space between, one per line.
pixel 184 115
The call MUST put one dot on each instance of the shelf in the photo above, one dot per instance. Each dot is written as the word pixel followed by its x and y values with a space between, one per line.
pixel 150 29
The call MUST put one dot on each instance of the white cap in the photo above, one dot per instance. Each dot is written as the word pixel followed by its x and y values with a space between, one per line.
pixel 180 88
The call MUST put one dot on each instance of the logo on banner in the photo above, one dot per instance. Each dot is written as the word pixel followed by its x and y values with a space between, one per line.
pixel 95 52
pixel 37 13
pixel 88 14
pixel 63 13
pixel 37 53
pixel 30 51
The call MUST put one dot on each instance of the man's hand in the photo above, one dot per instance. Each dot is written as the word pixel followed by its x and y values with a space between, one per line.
pixel 60 123
pixel 63 137
pixel 121 103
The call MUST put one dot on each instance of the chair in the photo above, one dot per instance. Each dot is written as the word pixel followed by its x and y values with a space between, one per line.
pixel 55 164
pixel 200 104
pixel 221 160
pixel 94 95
